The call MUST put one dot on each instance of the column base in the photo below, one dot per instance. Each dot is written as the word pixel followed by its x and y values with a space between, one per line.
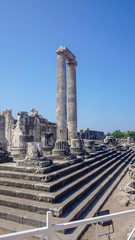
pixel 61 148
pixel 89 146
pixel 47 150
pixel 40 162
pixel 18 153
pixel 76 147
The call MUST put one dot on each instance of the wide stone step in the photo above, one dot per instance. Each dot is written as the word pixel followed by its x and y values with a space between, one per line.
pixel 85 203
pixel 56 171
pixel 28 205
pixel 14 226
pixel 22 183
pixel 23 217
pixel 82 180
pixel 31 184
pixel 87 188
pixel 57 174
pixel 76 234
pixel 93 201
pixel 40 206
pixel 20 175
pixel 35 194
pixel 90 165
pixel 76 210
pixel 11 183
pixel 27 193
pixel 12 166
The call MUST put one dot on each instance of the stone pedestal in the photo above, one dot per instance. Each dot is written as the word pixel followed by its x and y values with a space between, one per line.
pixel 129 140
pixel 61 148
pixel 34 157
pixel 130 191
pixel 76 147
pixel 89 145
pixel 19 145
pixel 18 153
pixel 47 150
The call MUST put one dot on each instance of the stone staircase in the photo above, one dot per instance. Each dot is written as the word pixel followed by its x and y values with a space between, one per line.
pixel 71 190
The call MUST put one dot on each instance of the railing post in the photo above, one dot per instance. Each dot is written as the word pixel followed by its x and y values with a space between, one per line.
pixel 49 225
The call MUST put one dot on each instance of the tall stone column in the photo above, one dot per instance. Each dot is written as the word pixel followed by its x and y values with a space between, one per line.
pixel 61 97
pixel 72 101
pixel 61 138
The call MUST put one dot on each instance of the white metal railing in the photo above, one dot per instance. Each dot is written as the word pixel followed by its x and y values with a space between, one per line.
pixel 131 234
pixel 50 229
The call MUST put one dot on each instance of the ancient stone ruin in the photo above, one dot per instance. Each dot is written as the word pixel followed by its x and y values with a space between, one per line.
pixel 17 135
pixel 37 180
pixel 34 156
pixel 64 55
pixel 89 134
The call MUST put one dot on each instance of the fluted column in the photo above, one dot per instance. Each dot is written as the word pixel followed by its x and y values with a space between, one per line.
pixel 61 144
pixel 61 97
pixel 72 100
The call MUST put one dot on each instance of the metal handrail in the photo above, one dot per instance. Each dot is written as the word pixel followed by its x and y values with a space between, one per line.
pixel 131 234
pixel 50 228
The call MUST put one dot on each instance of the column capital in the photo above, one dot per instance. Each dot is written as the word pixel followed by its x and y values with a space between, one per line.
pixel 64 50
pixel 71 62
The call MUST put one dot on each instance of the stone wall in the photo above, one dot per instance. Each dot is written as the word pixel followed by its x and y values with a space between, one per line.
pixel 27 128
pixel 89 134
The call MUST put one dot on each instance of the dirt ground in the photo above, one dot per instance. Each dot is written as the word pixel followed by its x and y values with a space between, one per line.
pixel 116 203
pixel 3 231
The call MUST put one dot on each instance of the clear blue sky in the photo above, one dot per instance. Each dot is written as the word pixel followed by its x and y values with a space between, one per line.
pixel 100 33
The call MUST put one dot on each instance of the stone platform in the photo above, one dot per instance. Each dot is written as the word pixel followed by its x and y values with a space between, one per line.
pixel 70 191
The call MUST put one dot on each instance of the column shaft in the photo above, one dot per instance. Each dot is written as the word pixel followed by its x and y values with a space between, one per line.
pixel 72 102
pixel 61 98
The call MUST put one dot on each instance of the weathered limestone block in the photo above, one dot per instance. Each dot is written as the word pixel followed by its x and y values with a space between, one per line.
pixel 34 150
pixel 8 127
pixel 5 156
pixel 19 145
pixel 76 147
pixel 34 157
pixel 131 170
pixel 89 145
pixel 130 190
pixel 110 141
pixel 89 134
pixel 125 146
pixel 129 140
pixel 6 123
